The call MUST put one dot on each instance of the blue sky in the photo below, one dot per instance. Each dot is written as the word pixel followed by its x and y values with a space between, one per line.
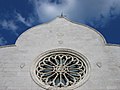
pixel 16 16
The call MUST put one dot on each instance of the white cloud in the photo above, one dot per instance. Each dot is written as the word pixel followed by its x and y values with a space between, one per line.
pixel 12 24
pixel 9 25
pixel 20 18
pixel 2 41
pixel 46 10
pixel 79 10
pixel 97 12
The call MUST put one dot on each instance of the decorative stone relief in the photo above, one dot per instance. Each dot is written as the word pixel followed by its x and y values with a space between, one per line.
pixel 60 68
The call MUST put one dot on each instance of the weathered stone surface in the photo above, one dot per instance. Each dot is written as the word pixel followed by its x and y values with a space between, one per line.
pixel 15 61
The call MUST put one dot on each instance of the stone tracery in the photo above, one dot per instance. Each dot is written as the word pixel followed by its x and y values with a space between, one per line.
pixel 61 69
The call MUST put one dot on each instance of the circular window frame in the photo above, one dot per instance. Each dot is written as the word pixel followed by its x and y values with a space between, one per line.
pixel 60 50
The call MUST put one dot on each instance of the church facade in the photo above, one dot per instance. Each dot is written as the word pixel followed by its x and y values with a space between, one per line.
pixel 60 55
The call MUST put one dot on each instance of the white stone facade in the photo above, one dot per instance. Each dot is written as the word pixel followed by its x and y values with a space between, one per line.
pixel 16 60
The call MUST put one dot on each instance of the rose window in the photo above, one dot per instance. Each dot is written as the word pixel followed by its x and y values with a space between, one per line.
pixel 60 69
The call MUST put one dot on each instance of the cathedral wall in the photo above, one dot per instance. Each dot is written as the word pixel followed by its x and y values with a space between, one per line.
pixel 16 61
